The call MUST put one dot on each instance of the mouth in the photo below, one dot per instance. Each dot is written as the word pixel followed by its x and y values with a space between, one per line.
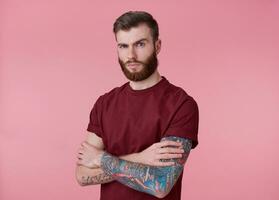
pixel 133 64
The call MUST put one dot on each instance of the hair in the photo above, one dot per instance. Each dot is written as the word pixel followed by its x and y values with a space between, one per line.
pixel 133 19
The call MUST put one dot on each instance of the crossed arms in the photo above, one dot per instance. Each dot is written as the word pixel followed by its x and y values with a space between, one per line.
pixel 154 170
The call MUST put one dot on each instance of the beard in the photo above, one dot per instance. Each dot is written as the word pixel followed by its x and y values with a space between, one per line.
pixel 149 67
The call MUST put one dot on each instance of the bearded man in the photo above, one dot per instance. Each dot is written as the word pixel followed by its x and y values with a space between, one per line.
pixel 139 134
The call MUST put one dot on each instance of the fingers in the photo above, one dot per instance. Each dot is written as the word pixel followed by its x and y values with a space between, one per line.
pixel 79 156
pixel 169 156
pixel 169 143
pixel 170 150
pixel 79 162
pixel 85 144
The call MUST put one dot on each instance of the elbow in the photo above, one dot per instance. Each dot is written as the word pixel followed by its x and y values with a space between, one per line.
pixel 164 193
pixel 161 195
pixel 80 182
pixel 80 177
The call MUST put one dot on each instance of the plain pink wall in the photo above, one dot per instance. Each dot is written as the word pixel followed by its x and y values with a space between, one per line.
pixel 57 57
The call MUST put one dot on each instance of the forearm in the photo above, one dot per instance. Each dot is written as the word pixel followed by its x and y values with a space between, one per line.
pixel 134 157
pixel 128 170
pixel 156 181
pixel 87 176
pixel 153 180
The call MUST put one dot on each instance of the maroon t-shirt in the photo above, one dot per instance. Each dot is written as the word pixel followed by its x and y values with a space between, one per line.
pixel 130 120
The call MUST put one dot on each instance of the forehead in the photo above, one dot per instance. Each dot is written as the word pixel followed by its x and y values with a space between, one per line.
pixel 134 34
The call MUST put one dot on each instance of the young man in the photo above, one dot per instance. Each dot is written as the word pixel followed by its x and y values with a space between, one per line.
pixel 139 134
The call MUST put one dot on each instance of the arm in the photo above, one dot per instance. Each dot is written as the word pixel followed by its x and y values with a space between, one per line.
pixel 93 176
pixel 88 171
pixel 154 180
pixel 88 176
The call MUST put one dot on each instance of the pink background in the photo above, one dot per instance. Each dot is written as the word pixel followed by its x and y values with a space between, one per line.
pixel 57 57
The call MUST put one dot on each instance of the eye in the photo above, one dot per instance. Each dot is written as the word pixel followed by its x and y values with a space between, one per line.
pixel 121 46
pixel 140 44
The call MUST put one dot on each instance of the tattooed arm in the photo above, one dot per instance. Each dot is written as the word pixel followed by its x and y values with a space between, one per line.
pixel 93 176
pixel 88 171
pixel 88 176
pixel 154 180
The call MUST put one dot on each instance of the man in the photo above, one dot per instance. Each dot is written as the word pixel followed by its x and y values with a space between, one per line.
pixel 140 134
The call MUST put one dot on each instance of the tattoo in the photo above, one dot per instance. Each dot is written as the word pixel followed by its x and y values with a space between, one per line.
pixel 98 179
pixel 187 145
pixel 153 180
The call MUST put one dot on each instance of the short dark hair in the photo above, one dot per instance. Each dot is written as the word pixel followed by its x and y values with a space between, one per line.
pixel 134 18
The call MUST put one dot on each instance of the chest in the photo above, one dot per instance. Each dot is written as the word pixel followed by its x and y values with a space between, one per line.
pixel 130 125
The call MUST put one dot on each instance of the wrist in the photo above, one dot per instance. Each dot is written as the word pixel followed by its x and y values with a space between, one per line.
pixel 99 158
pixel 138 157
pixel 108 163
pixel 134 157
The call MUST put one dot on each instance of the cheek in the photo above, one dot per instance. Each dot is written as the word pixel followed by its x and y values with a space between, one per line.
pixel 142 56
pixel 145 52
pixel 121 55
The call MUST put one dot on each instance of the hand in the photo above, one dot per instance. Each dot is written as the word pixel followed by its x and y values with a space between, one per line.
pixel 89 156
pixel 157 152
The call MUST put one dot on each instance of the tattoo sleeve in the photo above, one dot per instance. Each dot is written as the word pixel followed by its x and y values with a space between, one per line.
pixel 153 180
pixel 93 176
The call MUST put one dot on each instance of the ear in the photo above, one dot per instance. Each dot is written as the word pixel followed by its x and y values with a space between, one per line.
pixel 158 44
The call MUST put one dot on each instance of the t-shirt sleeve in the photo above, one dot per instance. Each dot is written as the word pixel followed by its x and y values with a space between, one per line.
pixel 185 122
pixel 95 123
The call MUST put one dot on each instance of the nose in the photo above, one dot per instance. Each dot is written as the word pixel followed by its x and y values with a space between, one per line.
pixel 131 53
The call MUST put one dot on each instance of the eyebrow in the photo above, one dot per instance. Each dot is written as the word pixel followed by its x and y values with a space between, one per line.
pixel 140 40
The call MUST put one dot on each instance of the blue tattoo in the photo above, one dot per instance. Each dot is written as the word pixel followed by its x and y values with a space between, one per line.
pixel 153 180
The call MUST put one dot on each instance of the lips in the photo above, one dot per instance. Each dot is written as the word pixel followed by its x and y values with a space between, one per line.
pixel 133 64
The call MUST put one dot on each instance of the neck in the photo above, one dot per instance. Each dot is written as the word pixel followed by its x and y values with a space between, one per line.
pixel 146 83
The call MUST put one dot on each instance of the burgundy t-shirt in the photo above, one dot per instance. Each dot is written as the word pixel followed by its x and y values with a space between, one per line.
pixel 130 120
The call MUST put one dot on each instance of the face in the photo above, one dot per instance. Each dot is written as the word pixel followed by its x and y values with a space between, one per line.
pixel 137 53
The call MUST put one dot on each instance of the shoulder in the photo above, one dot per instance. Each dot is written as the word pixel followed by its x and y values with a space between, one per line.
pixel 111 94
pixel 178 95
